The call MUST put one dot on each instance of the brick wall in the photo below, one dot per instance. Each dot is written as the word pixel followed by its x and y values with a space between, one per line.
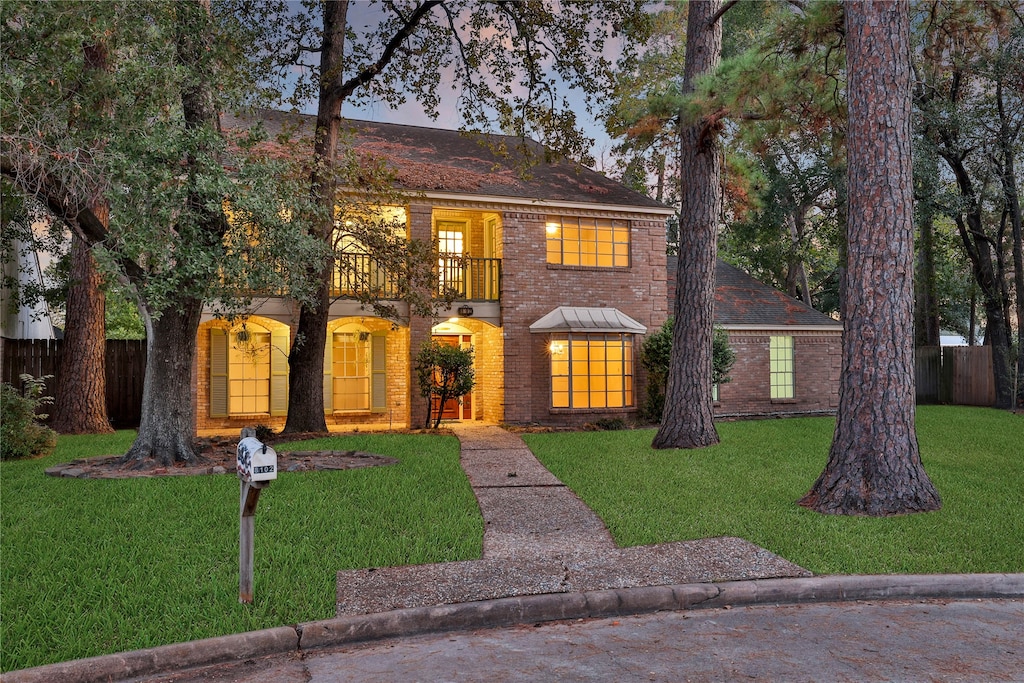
pixel 531 288
pixel 513 373
pixel 817 360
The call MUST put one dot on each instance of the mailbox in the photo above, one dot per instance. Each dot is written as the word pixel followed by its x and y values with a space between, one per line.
pixel 256 460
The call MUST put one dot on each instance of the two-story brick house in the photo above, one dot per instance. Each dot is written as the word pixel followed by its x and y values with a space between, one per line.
pixel 560 271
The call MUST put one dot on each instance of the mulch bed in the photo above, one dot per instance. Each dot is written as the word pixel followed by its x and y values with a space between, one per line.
pixel 217 456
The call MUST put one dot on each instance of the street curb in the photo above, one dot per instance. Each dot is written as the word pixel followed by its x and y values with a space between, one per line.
pixel 518 610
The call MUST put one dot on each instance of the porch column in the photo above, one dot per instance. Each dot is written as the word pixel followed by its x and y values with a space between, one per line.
pixel 421 227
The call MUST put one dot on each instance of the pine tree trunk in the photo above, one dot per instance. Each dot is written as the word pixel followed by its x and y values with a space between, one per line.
pixel 1011 195
pixel 168 421
pixel 874 466
pixel 306 360
pixel 81 401
pixel 688 417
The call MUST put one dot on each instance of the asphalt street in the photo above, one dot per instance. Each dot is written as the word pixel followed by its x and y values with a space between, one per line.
pixel 932 640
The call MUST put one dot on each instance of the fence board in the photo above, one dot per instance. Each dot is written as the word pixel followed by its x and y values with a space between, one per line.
pixel 971 378
pixel 927 363
pixel 957 375
pixel 125 364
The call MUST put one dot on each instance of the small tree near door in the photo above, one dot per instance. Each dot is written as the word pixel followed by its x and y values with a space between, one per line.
pixel 445 372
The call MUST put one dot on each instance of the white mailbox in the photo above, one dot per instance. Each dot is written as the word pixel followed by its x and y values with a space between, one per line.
pixel 256 460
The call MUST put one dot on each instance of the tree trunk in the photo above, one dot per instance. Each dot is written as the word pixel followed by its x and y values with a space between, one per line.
pixel 81 402
pixel 167 424
pixel 306 360
pixel 926 313
pixel 796 273
pixel 168 420
pixel 874 466
pixel 688 418
pixel 1011 196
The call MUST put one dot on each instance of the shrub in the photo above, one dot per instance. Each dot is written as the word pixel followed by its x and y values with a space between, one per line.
pixel 655 355
pixel 264 432
pixel 444 372
pixel 610 424
pixel 21 434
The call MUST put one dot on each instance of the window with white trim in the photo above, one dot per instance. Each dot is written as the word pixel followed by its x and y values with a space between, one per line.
pixel 780 360
pixel 594 242
pixel 351 360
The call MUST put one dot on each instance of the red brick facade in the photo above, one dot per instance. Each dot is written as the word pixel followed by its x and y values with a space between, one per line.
pixel 817 358
pixel 513 373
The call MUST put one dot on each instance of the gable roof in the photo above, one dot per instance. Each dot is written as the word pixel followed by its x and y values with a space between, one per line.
pixel 740 300
pixel 438 161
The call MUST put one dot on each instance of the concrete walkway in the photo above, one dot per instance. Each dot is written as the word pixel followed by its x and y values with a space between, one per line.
pixel 540 538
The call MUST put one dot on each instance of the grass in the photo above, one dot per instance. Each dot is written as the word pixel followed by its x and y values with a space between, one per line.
pixel 747 485
pixel 89 567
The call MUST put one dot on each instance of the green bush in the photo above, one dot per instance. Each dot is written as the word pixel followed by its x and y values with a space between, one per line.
pixel 21 434
pixel 655 354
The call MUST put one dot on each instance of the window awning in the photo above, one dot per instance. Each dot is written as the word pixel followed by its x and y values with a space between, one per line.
pixel 579 319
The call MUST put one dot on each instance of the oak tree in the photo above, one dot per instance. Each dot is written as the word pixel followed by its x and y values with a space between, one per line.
pixel 188 213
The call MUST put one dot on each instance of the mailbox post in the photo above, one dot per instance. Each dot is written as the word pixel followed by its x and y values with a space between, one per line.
pixel 257 467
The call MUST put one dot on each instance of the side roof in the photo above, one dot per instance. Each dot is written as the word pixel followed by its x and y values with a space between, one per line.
pixel 742 300
pixel 434 160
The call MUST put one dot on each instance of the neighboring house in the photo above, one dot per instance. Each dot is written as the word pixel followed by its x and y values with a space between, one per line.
pixel 788 355
pixel 560 272
pixel 26 322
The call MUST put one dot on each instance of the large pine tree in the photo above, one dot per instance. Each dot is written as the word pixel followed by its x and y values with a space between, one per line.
pixel 688 418
pixel 874 466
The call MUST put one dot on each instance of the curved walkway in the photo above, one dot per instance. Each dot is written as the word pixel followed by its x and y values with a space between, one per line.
pixel 540 538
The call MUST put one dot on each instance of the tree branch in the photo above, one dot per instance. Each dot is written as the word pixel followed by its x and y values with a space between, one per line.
pixel 722 10
pixel 370 72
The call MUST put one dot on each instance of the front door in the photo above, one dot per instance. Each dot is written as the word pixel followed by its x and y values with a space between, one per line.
pixel 453 409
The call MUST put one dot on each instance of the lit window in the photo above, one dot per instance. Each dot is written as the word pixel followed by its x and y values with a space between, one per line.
pixel 780 358
pixel 450 246
pixel 358 270
pixel 351 371
pixel 249 370
pixel 592 371
pixel 593 242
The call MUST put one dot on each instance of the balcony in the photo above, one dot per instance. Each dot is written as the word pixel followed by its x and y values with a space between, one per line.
pixel 465 278
pixel 357 273
pixel 469 278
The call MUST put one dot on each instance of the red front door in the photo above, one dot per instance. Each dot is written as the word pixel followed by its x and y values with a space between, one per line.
pixel 453 410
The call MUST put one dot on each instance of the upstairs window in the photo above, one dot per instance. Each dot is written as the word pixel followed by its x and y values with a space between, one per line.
pixel 590 242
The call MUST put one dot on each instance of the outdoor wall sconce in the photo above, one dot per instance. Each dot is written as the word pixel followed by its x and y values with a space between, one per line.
pixel 465 311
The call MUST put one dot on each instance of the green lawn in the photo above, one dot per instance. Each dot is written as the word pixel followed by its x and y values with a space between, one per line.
pixel 747 485
pixel 90 567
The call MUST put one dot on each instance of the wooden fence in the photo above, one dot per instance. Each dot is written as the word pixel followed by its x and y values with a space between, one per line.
pixel 126 369
pixel 958 375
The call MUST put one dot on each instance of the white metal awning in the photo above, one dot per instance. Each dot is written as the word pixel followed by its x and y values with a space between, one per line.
pixel 579 319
